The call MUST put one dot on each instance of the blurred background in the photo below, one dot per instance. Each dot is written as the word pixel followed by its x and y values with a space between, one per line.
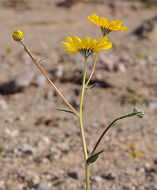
pixel 40 147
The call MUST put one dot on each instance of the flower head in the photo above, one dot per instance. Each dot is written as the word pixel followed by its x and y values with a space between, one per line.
pixel 85 46
pixel 106 26
pixel 17 35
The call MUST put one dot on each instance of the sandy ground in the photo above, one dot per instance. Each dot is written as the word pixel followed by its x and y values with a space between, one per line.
pixel 40 147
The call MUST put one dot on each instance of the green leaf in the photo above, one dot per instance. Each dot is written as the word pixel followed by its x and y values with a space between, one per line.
pixel 68 111
pixel 94 157
pixel 92 86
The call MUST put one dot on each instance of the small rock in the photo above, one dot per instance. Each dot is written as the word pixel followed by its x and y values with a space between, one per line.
pixel 152 105
pixel 18 83
pixel 108 176
pixel 11 133
pixel 73 172
pixel 49 94
pixel 2 185
pixel 8 120
pixel 41 186
pixel 126 188
pixel 27 149
pixel 59 72
pixel 95 124
pixel 98 179
pixel 120 67
pixel 107 62
pixel 40 80
pixel 150 187
pixel 3 105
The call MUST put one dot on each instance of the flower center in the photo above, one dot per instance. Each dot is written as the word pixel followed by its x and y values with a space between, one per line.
pixel 86 52
pixel 105 31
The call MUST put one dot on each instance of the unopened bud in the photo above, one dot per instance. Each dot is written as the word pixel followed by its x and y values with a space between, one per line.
pixel 17 35
pixel 139 112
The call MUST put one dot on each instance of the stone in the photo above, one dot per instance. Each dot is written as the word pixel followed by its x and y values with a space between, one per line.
pixel 73 172
pixel 18 83
pixel 8 120
pixel 3 105
pixel 108 176
pixel 120 67
pixel 28 149
pixel 152 105
pixel 40 80
pixel 49 94
pixel 107 62
pixel 41 186
pixel 126 188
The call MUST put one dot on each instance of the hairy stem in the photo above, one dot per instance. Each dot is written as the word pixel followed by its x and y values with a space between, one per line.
pixel 48 79
pixel 80 113
pixel 87 176
pixel 82 129
pixel 91 74
pixel 109 126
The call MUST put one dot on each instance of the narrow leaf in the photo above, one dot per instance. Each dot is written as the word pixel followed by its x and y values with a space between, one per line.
pixel 94 157
pixel 92 86
pixel 68 111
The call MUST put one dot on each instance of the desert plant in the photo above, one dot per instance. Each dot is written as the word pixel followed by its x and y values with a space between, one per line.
pixel 85 47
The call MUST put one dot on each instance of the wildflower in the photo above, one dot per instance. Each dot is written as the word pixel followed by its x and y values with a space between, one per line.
pixel 85 46
pixel 106 26
pixel 17 35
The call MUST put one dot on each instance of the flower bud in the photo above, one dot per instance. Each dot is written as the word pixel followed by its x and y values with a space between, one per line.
pixel 17 35
pixel 139 112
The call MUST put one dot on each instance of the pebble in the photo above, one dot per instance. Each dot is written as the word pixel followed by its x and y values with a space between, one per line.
pixel 126 188
pixel 41 186
pixel 107 62
pixel 98 179
pixel 3 105
pixel 120 67
pixel 18 83
pixel 95 124
pixel 73 172
pixel 49 94
pixel 40 80
pixel 28 149
pixel 8 120
pixel 108 176
pixel 152 105
pixel 150 187
pixel 11 133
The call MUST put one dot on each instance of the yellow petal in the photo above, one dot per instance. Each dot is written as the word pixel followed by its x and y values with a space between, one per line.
pixel 85 42
pixel 77 42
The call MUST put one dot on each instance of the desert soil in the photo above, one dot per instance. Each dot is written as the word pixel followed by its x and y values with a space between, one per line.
pixel 40 147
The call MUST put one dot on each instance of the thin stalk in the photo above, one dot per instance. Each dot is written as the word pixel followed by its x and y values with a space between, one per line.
pixel 91 74
pixel 109 126
pixel 80 113
pixel 87 176
pixel 48 79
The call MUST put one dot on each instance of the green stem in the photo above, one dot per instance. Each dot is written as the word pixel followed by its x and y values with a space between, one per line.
pixel 82 129
pixel 112 123
pixel 87 176
pixel 80 113
pixel 91 74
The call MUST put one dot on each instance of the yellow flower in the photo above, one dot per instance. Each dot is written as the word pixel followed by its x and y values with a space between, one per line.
pixel 17 35
pixel 106 26
pixel 85 46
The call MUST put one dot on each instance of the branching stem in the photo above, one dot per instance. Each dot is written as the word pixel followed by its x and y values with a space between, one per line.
pixel 91 74
pixel 109 126
pixel 48 79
